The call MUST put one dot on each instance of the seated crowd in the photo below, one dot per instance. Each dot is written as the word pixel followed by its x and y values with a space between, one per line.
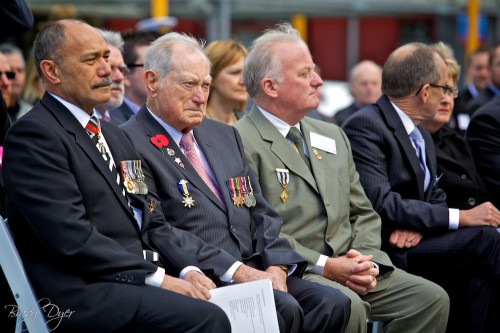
pixel 139 181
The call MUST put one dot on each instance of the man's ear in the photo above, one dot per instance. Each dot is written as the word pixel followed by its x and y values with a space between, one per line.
pixel 269 87
pixel 50 71
pixel 150 79
pixel 424 93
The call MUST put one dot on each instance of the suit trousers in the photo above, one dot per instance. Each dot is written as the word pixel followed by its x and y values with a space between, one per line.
pixel 324 309
pixel 466 263
pixel 409 304
pixel 166 311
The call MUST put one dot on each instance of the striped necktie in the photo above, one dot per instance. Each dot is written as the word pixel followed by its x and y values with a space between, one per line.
pixel 94 131
pixel 419 144
pixel 188 145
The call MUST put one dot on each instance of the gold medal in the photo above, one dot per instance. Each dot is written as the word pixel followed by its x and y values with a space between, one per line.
pixel 284 196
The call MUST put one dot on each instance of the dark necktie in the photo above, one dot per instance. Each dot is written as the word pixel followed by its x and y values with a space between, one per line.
pixel 94 131
pixel 294 136
pixel 419 143
pixel 188 145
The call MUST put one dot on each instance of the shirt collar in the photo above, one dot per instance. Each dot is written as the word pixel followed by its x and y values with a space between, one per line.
pixel 80 115
pixel 280 125
pixel 134 107
pixel 174 134
pixel 407 122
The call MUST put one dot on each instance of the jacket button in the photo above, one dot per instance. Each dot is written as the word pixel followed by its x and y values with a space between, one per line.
pixel 130 279
pixel 464 176
pixel 233 229
pixel 118 277
pixel 471 201
pixel 124 278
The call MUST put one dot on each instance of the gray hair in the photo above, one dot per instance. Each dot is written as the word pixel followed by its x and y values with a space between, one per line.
pixel 112 38
pixel 159 55
pixel 405 74
pixel 9 48
pixel 48 43
pixel 261 61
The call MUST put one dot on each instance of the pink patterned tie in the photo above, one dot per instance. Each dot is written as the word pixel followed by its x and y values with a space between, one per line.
pixel 190 152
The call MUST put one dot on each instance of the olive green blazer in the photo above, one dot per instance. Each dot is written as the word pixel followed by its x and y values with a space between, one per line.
pixel 327 211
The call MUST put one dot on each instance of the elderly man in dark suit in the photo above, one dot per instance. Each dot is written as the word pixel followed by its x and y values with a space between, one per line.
pixel 86 243
pixel 396 161
pixel 205 186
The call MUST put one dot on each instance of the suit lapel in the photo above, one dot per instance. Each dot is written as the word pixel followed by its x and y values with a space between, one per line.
pixel 318 159
pixel 152 128
pixel 82 139
pixel 281 147
pixel 403 139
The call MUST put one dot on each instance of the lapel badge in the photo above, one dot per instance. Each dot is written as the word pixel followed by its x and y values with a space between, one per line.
pixel 151 206
pixel 170 152
pixel 318 155
pixel 178 161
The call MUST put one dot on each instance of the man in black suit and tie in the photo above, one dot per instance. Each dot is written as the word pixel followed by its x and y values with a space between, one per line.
pixel 86 244
pixel 205 186
pixel 395 158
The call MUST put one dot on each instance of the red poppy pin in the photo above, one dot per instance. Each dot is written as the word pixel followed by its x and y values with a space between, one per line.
pixel 160 141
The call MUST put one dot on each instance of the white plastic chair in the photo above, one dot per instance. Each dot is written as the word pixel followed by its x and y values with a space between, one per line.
pixel 13 269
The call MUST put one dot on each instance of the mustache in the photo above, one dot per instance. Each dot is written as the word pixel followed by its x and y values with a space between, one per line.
pixel 118 86
pixel 104 83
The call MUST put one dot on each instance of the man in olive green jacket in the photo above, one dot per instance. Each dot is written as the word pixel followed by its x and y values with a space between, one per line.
pixel 315 187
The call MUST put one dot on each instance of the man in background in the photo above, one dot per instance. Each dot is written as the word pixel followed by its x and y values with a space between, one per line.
pixel 119 72
pixel 365 82
pixel 136 43
pixel 17 107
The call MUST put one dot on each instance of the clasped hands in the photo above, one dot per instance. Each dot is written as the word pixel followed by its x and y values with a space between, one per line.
pixel 354 270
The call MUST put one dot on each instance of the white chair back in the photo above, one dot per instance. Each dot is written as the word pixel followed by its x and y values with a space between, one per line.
pixel 29 315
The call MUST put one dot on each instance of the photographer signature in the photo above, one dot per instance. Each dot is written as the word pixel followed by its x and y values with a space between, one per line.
pixel 53 314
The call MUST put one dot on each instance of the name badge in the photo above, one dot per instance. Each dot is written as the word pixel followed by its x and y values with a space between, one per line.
pixel 323 143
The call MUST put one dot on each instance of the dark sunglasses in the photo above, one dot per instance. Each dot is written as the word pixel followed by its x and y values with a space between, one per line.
pixel 10 75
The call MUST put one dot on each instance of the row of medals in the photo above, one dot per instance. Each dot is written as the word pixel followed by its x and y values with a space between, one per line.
pixel 248 199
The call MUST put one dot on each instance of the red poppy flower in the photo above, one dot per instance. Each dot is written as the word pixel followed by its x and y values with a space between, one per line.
pixel 159 141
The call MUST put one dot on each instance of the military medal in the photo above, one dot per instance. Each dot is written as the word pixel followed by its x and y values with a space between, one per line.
pixel 132 177
pixel 318 155
pixel 184 187
pixel 178 161
pixel 252 197
pixel 233 191
pixel 151 206
pixel 283 178
pixel 239 195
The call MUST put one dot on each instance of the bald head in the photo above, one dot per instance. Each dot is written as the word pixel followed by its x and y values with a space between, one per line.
pixel 408 68
pixel 366 82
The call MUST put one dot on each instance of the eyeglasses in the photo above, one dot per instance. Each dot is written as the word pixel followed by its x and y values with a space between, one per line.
pixel 123 69
pixel 447 90
pixel 10 75
pixel 135 65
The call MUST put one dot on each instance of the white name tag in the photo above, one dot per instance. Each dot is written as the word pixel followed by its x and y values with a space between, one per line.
pixel 323 143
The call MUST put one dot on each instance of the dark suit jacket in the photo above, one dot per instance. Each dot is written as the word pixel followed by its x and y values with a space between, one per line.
pixel 390 172
pixel 484 140
pixel 483 98
pixel 248 234
pixel 457 174
pixel 120 114
pixel 341 115
pixel 77 236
